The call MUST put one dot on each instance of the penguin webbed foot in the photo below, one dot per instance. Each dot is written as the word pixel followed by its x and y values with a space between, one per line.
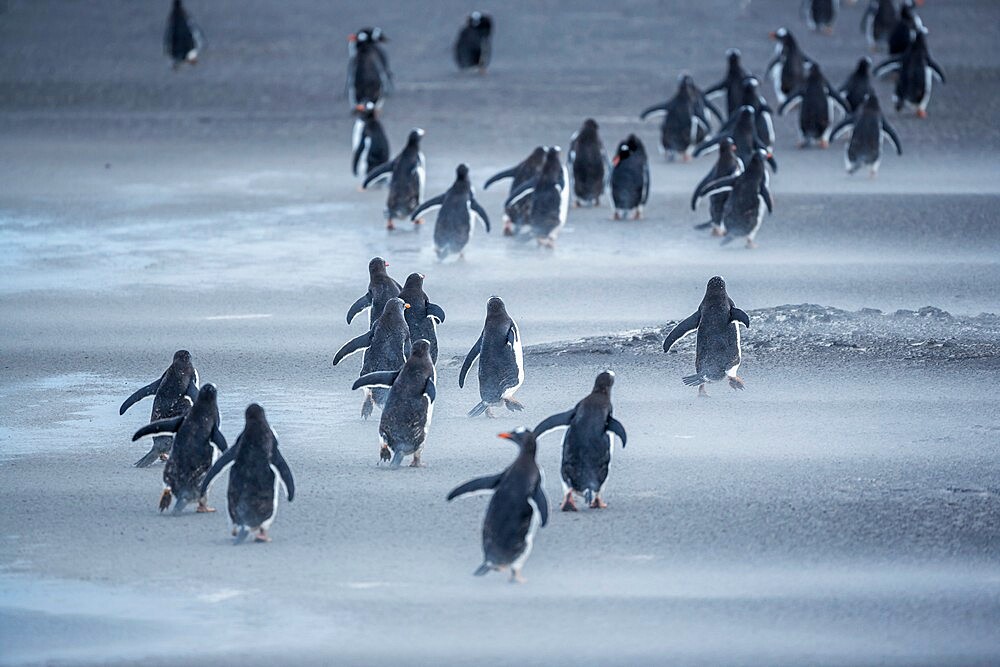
pixel 736 382
pixel 516 577
pixel 261 536
pixel 203 507
pixel 598 503
pixel 702 392
pixel 415 463
pixel 384 454
pixel 567 504
pixel 512 405
pixel 240 534
pixel 165 499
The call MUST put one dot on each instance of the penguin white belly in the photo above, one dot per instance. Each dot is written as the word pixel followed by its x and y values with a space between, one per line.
pixel 430 414
pixel 274 501
pixel 529 538
pixel 776 79
pixel 357 133
pixel 739 355
pixel 928 82
pixel 519 360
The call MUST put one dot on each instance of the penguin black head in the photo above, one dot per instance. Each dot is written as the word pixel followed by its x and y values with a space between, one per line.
pixel 780 35
pixel 414 138
pixel 255 413
pixel 376 267
pixel 482 22
pixel 414 281
pixel 733 55
pixel 182 356
pixel 208 392
pixel 870 103
pixel 590 124
pixel 745 115
pixel 553 164
pixel 178 7
pixel 726 145
pixel 604 382
pixel 495 306
pixel 623 153
pixel 421 348
pixel 716 285
pixel 538 155
pixel 365 110
pixel 864 65
pixel 395 304
pixel 756 165
pixel 462 172
pixel 524 438
pixel 813 72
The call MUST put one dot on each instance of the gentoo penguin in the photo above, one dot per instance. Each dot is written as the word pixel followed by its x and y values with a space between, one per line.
pixel 368 75
pixel 549 193
pixel 817 100
pixel 516 510
pixel 763 122
pixel 748 195
pixel 517 214
pixel 727 165
pixel 731 84
pixel 868 126
pixel 787 68
pixel 407 175
pixel 474 44
pixel 422 317
pixel 406 417
pixel 717 355
pixel 684 120
pixel 587 444
pixel 381 288
pixel 182 39
pixel 820 14
pixel 501 361
pixel 905 30
pixel 915 72
pixel 369 141
pixel 877 22
pixel 258 468
pixel 741 129
pixel 630 178
pixel 173 394
pixel 386 346
pixel 197 444
pixel 858 85
pixel 588 165
pixel 457 217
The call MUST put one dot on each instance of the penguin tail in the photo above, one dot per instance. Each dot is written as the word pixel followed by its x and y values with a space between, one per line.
pixel 149 459
pixel 479 409
pixel 241 535
pixel 704 225
pixel 482 569
pixel 694 380
pixel 588 495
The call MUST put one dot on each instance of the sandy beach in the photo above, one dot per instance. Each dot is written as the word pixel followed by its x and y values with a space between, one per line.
pixel 844 509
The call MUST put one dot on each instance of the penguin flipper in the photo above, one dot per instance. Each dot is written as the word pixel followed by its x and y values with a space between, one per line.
pixel 708 144
pixel 476 486
pixel 936 69
pixel 470 359
pixel 381 172
pixel 737 315
pixel 541 502
pixel 192 388
pixel 682 328
pixel 616 427
pixel 841 127
pixel 521 192
pixel 140 394
pixel 434 202
pixel 376 379
pixel 352 346
pixel 723 184
pixel 435 311
pixel 890 65
pixel 169 425
pixel 430 389
pixel 656 109
pixel 513 335
pixel 771 65
pixel 554 421
pixel 790 102
pixel 481 212
pixel 285 473
pixel 482 570
pixel 712 108
pixel 220 464
pixel 499 176
pixel 219 439
pixel 364 302
pixel 709 177
pixel 766 194
pixel 890 131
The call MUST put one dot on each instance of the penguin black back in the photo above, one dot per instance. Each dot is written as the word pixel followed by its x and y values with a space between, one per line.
pixel 381 288
pixel 588 164
pixel 422 317
pixel 630 178
pixel 182 38
pixel 473 48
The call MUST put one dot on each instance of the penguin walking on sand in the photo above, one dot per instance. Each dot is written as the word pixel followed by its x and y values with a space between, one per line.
pixel 501 361
pixel 817 100
pixel 368 76
pixel 717 351
pixel 820 14
pixel 743 211
pixel 457 216
pixel 258 470
pixel 588 164
pixel 731 84
pixel 422 317
pixel 741 129
pixel 386 346
pixel 787 68
pixel 474 45
pixel 516 510
pixel 381 288
pixel 915 74
pixel 406 417
pixel 905 30
pixel 685 123
pixel 173 395
pixel 868 127
pixel 630 179
pixel 518 213
pixel 858 85
pixel 587 444
pixel 197 444
pixel 407 175
pixel 182 39
pixel 370 145
pixel 727 165
pixel 549 192
pixel 878 21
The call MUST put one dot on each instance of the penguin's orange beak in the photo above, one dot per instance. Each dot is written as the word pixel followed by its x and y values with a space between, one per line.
pixel 406 305
pixel 505 436
pixel 615 161
pixel 352 37
pixel 772 35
